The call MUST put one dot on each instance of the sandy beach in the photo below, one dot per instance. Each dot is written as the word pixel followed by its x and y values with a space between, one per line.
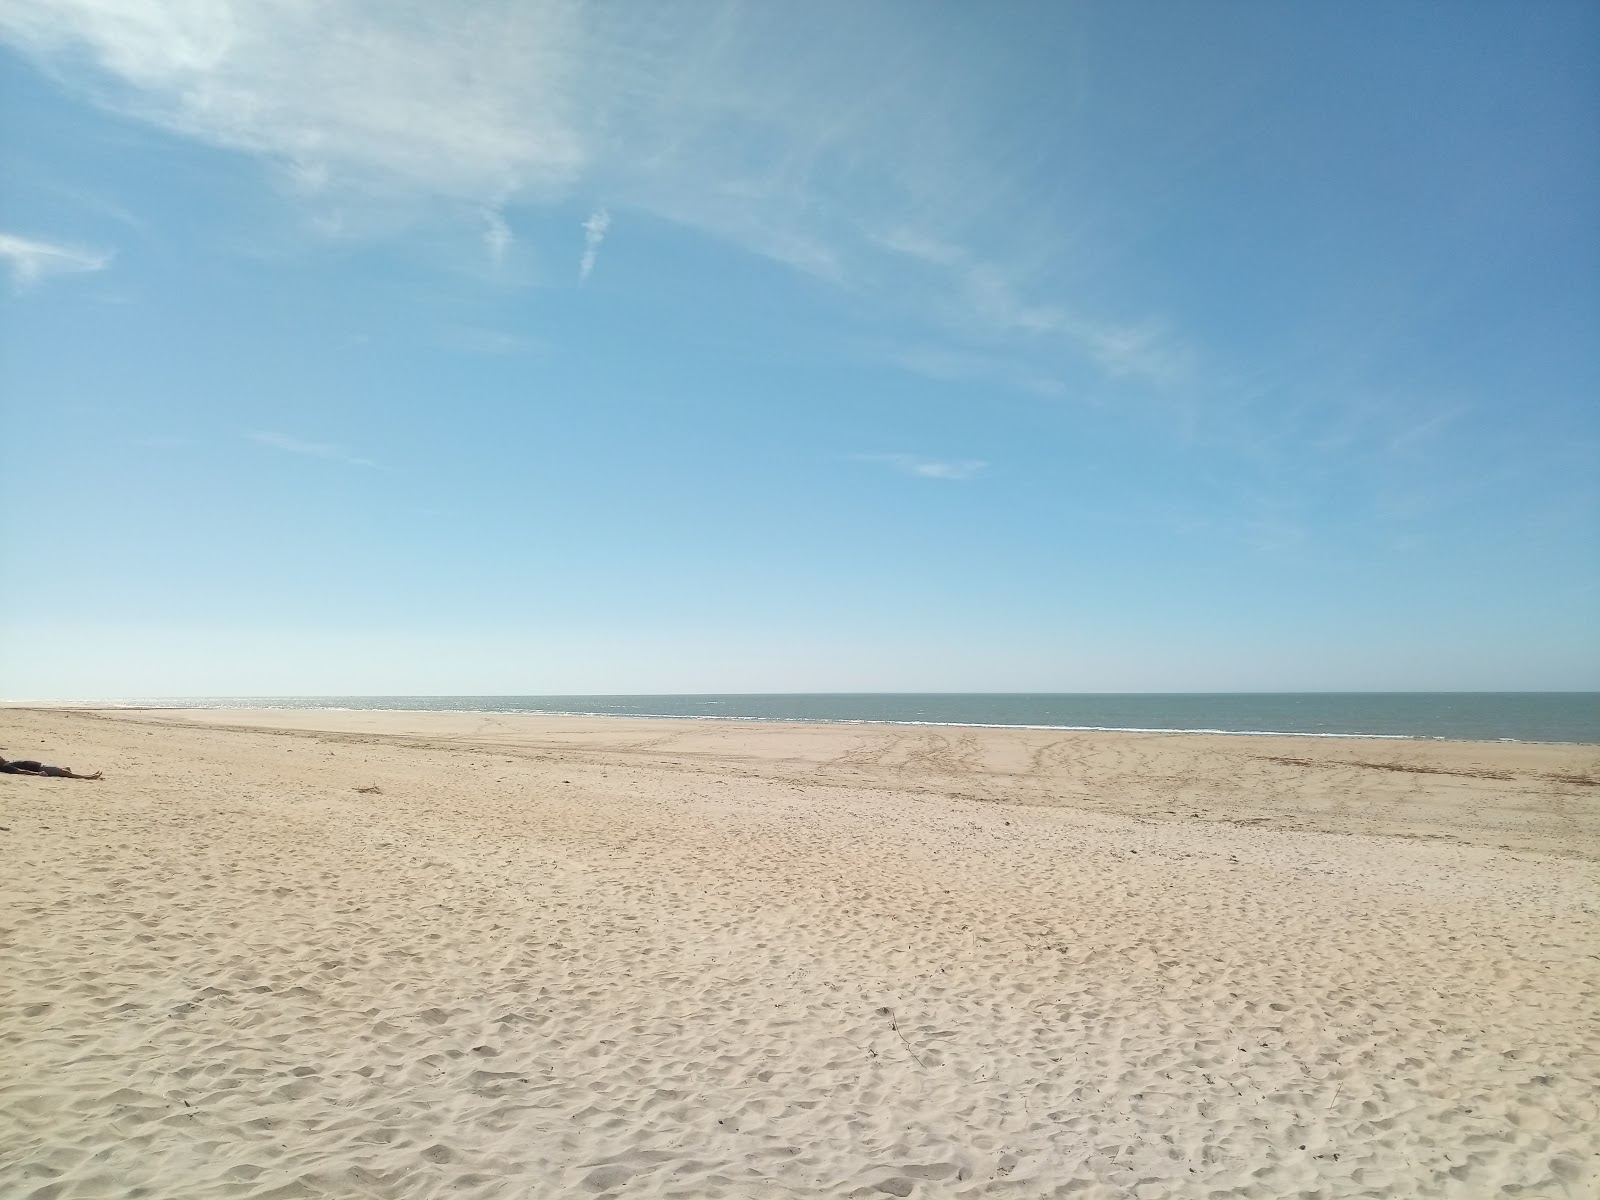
pixel 353 954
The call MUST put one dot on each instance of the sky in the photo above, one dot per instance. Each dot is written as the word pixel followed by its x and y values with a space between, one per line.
pixel 535 346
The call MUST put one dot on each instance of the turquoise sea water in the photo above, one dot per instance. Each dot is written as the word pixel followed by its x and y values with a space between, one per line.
pixel 1466 716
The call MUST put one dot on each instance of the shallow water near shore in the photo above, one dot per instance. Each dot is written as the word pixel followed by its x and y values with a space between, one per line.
pixel 1456 716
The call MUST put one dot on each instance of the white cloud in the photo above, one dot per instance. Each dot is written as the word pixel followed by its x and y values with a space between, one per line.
pixel 990 296
pixel 31 260
pixel 797 138
pixel 943 362
pixel 926 468
pixel 594 232
pixel 291 445
pixel 466 101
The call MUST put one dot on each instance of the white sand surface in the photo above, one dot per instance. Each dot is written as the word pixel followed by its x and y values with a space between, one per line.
pixel 402 955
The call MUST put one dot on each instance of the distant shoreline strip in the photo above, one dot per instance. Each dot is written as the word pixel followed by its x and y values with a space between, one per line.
pixel 547 712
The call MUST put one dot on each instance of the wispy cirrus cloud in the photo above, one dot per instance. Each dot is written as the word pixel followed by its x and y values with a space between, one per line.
pixel 992 297
pixel 293 445
pixel 926 468
pixel 477 340
pixel 31 260
pixel 942 362
pixel 497 235
pixel 468 103
pixel 754 123
pixel 594 232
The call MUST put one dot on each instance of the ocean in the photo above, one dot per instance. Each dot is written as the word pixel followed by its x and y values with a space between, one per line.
pixel 1459 716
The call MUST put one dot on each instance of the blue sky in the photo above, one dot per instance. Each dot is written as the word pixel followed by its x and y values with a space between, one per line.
pixel 557 347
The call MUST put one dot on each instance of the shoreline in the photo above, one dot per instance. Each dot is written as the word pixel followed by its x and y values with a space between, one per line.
pixel 73 706
pixel 1538 796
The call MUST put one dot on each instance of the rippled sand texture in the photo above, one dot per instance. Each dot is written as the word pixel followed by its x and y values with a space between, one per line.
pixel 467 956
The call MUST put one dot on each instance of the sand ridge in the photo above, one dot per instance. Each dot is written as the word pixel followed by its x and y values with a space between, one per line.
pixel 690 959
